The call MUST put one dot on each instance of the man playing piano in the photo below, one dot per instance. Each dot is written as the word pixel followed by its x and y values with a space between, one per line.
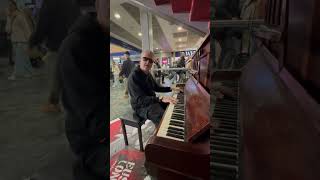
pixel 142 88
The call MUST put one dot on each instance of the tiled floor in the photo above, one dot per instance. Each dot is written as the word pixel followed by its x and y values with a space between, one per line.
pixel 31 142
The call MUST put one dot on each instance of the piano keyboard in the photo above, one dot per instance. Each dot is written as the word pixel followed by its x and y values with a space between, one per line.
pixel 172 126
pixel 224 139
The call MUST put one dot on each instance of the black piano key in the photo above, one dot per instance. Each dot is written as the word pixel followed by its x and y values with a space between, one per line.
pixel 226 110
pixel 227 139
pixel 176 129
pixel 175 132
pixel 223 147
pixel 224 160
pixel 177 117
pixel 222 117
pixel 214 154
pixel 176 124
pixel 175 135
pixel 233 125
pixel 230 119
pixel 224 135
pixel 229 131
pixel 224 143
pixel 178 111
pixel 225 166
pixel 232 115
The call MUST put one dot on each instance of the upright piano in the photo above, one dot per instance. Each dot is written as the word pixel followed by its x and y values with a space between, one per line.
pixel 270 130
pixel 180 148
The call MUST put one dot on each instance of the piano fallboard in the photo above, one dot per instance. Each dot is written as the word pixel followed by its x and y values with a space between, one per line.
pixel 167 159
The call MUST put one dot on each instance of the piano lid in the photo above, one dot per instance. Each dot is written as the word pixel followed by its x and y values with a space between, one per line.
pixel 197 109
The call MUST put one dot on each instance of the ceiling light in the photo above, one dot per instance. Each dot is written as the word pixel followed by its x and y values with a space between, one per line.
pixel 117 16
pixel 140 34
pixel 179 28
pixel 157 48
pixel 180 39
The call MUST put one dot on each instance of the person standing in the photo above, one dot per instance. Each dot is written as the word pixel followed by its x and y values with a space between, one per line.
pixel 19 30
pixel 83 61
pixel 115 71
pixel 55 19
pixel 126 69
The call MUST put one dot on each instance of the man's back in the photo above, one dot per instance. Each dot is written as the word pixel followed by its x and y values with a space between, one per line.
pixel 83 64
pixel 127 68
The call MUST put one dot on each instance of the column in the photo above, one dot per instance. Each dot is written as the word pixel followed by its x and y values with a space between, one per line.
pixel 146 30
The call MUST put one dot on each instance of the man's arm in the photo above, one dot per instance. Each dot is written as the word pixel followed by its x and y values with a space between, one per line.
pixel 159 88
pixel 137 92
pixel 43 24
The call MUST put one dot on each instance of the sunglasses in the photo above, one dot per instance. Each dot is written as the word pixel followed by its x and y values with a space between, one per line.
pixel 147 59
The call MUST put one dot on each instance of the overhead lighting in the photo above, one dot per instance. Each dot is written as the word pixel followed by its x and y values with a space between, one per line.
pixel 140 34
pixel 179 39
pixel 157 48
pixel 179 28
pixel 117 16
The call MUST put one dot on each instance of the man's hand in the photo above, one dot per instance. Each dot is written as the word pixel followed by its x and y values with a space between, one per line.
pixel 168 99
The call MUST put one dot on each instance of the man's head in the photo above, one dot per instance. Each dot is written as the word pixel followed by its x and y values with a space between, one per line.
pixel 126 55
pixel 103 9
pixel 12 6
pixel 146 61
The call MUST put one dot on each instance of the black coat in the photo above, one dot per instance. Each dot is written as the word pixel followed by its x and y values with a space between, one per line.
pixel 142 88
pixel 55 19
pixel 83 65
pixel 127 67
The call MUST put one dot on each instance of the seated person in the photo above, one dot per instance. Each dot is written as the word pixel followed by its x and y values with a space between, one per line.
pixel 142 88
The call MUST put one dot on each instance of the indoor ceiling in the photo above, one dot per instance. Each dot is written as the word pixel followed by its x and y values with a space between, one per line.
pixel 167 36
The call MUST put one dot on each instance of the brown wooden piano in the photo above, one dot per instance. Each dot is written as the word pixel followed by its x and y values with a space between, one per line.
pixel 180 147
pixel 271 129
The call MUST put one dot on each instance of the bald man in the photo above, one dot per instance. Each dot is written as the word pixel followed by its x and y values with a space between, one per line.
pixel 85 96
pixel 142 88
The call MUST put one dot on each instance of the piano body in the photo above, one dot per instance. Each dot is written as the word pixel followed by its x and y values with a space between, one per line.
pixel 271 130
pixel 180 147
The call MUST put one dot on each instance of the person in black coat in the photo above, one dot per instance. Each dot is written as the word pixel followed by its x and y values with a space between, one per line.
pixel 142 88
pixel 55 19
pixel 83 64
pixel 126 69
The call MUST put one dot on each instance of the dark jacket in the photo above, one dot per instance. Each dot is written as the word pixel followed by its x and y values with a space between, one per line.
pixel 127 67
pixel 55 19
pixel 83 64
pixel 142 88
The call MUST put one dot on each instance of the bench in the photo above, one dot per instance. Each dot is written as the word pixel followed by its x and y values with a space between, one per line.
pixel 133 120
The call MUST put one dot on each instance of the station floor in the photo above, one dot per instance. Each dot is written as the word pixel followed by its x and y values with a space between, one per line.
pixel 32 143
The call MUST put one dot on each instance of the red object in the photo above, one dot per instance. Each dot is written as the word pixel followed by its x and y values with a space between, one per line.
pixel 161 2
pixel 115 128
pixel 127 164
pixel 181 6
pixel 200 10
pixel 164 60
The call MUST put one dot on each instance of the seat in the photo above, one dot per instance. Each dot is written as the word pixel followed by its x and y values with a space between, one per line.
pixel 133 120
